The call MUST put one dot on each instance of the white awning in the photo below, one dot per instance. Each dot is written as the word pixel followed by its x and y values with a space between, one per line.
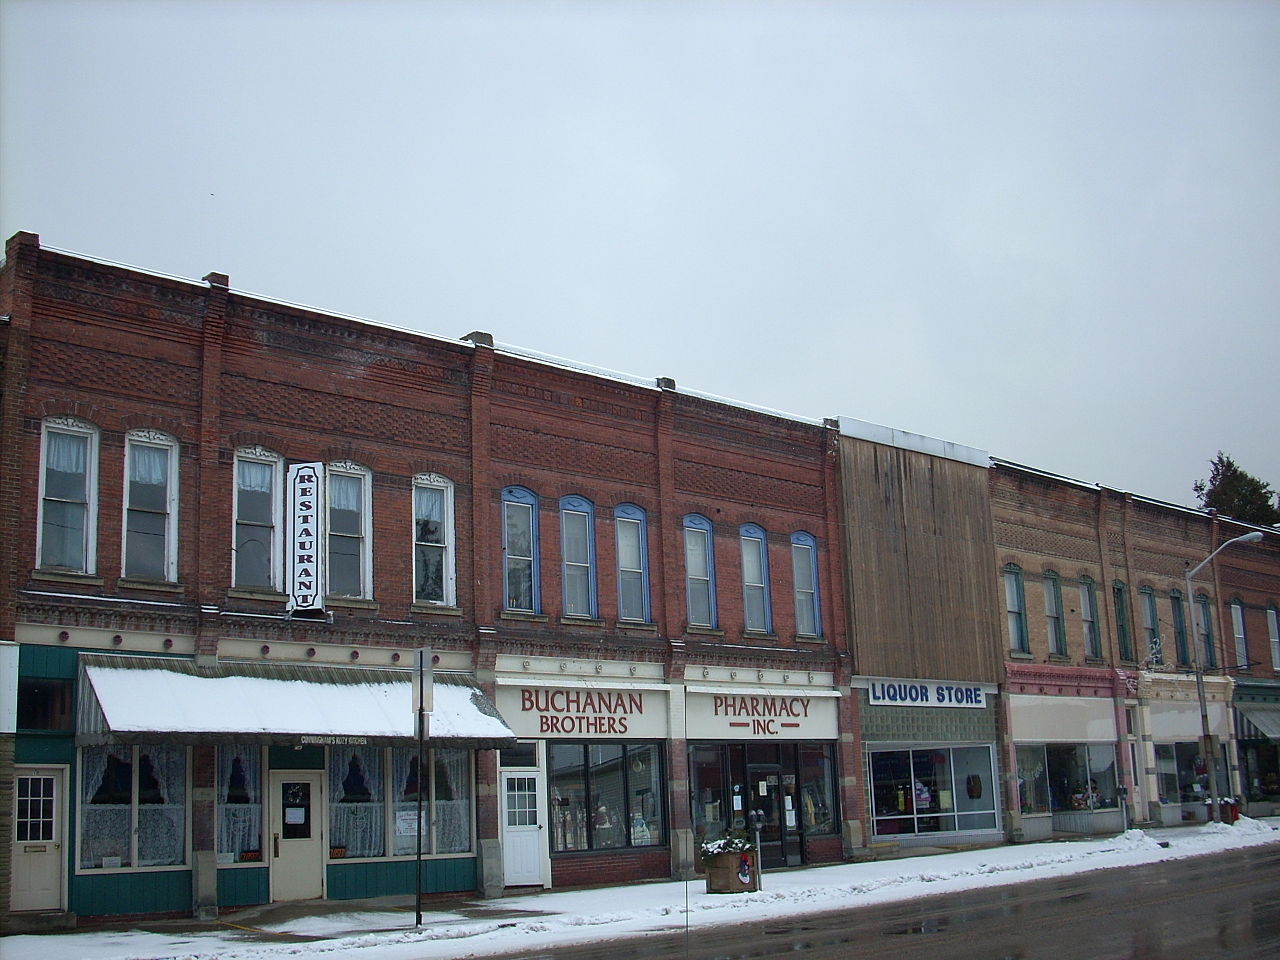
pixel 129 699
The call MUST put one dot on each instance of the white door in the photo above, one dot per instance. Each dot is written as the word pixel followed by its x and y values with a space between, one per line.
pixel 524 850
pixel 38 854
pixel 297 834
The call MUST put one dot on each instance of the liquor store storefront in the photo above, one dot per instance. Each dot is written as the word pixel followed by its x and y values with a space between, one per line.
pixel 931 760
pixel 769 751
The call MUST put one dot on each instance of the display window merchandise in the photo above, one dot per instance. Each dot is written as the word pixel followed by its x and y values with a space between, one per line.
pixel 933 789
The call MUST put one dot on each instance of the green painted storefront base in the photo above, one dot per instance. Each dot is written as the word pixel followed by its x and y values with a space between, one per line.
pixel 123 894
pixel 243 887
pixel 380 878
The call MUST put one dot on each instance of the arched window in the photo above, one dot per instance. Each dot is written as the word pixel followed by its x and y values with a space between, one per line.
pixel 578 556
pixel 433 563
pixel 1015 608
pixel 1183 648
pixel 804 574
pixel 700 571
pixel 1053 613
pixel 151 506
pixel 757 615
pixel 350 523
pixel 1238 631
pixel 1089 619
pixel 1120 600
pixel 631 529
pixel 256 557
pixel 520 550
pixel 66 536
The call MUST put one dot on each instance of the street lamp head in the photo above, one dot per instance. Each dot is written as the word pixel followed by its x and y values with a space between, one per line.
pixel 1253 537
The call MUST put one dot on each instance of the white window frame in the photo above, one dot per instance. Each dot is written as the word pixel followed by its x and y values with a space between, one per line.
pixel 349 468
pixel 80 805
pixel 435 481
pixel 700 526
pixel 153 438
pixel 526 501
pixel 83 428
pixel 256 454
pixel 575 506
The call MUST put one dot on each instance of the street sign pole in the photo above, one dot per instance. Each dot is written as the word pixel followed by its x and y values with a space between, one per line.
pixel 421 708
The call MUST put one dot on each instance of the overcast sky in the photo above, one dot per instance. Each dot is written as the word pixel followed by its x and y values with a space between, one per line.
pixel 1047 230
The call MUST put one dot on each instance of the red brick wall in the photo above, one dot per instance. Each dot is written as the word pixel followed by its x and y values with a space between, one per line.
pixel 580 870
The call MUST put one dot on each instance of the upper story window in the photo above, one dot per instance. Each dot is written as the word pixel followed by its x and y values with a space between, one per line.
pixel 632 532
pixel 1183 650
pixel 755 578
pixel 1120 599
pixel 520 550
pixel 1015 608
pixel 256 553
pixel 1204 633
pixel 66 533
pixel 433 564
pixel 700 571
pixel 1053 614
pixel 1089 619
pixel 151 505
pixel 1273 631
pixel 350 500
pixel 1237 628
pixel 578 554
pixel 804 575
pixel 1151 625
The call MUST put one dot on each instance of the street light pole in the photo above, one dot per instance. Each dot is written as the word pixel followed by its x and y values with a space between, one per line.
pixel 1206 737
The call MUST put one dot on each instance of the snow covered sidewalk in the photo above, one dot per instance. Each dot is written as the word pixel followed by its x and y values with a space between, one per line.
pixel 484 927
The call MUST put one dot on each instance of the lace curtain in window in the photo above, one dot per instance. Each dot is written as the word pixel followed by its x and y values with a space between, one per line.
pixel 162 805
pixel 356 801
pixel 239 800
pixel 404 787
pixel 148 465
pixel 106 787
pixel 452 806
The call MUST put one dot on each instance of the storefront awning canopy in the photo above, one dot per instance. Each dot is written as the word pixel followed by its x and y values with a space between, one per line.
pixel 1264 716
pixel 129 699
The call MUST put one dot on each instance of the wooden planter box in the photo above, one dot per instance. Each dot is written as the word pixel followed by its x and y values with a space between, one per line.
pixel 726 870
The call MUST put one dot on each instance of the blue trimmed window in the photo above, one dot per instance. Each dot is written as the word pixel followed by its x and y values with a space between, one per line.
pixel 755 578
pixel 1053 613
pixel 520 550
pixel 700 571
pixel 578 556
pixel 804 574
pixel 631 527
pixel 1015 605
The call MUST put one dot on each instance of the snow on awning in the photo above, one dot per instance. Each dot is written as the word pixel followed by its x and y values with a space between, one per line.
pixel 134 699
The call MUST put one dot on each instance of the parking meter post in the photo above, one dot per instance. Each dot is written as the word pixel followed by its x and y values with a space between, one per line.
pixel 757 821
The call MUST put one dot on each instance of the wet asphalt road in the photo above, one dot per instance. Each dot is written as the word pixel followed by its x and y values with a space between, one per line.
pixel 1201 908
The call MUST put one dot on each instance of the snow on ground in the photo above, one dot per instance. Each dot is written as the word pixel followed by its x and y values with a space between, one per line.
pixel 576 916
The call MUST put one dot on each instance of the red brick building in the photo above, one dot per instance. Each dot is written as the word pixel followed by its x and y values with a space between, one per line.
pixel 226 516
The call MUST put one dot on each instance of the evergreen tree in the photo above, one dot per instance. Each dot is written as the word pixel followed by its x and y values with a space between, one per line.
pixel 1237 494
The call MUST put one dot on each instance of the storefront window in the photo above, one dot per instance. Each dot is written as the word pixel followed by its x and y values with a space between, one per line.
pixel 452 807
pixel 239 803
pixel 355 808
pixel 1166 773
pixel 1033 780
pixel 1189 780
pixel 605 796
pixel 1082 777
pixel 406 785
pixel 939 789
pixel 707 775
pixel 134 806
pixel 817 801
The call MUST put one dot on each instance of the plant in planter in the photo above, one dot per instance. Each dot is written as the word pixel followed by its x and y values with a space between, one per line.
pixel 731 863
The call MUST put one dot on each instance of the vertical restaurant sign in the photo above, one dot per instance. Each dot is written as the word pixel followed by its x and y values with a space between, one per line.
pixel 304 495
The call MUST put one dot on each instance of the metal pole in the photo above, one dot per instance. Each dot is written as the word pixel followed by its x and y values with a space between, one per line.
pixel 1206 737
pixel 421 787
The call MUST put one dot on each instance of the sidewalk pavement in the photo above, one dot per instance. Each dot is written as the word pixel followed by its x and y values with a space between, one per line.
pixel 463 917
